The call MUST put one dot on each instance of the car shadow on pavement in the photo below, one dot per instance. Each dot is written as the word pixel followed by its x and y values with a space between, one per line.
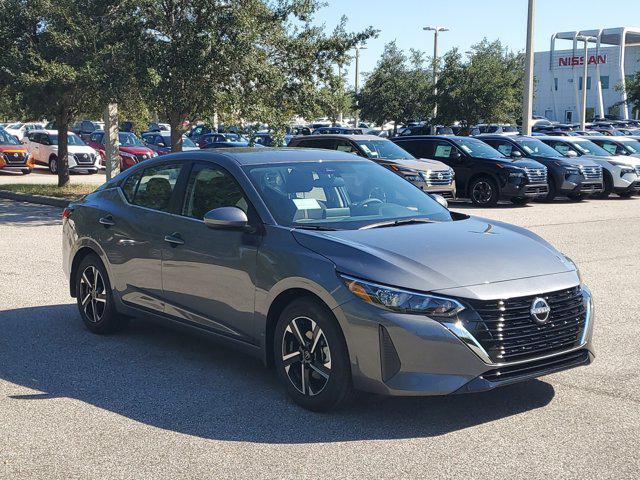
pixel 18 214
pixel 185 383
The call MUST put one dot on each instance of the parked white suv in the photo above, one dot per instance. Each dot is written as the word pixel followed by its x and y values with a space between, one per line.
pixel 43 144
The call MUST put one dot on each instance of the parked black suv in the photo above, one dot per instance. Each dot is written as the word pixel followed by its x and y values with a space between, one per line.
pixel 572 177
pixel 482 173
pixel 85 128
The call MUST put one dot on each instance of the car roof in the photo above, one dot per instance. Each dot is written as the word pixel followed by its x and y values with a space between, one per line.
pixel 50 132
pixel 567 138
pixel 259 156
pixel 343 136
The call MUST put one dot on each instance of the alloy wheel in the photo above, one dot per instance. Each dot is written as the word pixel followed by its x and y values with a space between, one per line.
pixel 93 294
pixel 306 356
pixel 482 192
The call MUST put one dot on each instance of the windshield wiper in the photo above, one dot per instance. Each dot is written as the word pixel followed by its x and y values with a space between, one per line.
pixel 395 223
pixel 315 227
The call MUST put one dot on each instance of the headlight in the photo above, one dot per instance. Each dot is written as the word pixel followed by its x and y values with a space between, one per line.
pixel 452 172
pixel 576 267
pixel 401 300
pixel 626 170
pixel 571 171
pixel 412 175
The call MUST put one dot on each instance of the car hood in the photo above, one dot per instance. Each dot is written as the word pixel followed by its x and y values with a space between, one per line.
pixel 79 149
pixel 526 162
pixel 136 150
pixel 423 165
pixel 13 148
pixel 438 256
pixel 604 161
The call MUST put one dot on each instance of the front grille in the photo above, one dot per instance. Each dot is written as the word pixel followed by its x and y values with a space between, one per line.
pixel 538 367
pixel 509 333
pixel 441 177
pixel 591 187
pixel 84 158
pixel 15 158
pixel 142 157
pixel 536 175
pixel 536 190
pixel 591 173
pixel 448 194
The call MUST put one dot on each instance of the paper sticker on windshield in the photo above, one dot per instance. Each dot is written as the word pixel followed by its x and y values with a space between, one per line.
pixel 466 149
pixel 306 204
pixel 443 151
pixel 366 149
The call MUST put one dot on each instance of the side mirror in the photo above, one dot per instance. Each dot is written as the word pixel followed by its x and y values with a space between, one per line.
pixel 226 217
pixel 161 144
pixel 515 154
pixel 441 200
pixel 571 154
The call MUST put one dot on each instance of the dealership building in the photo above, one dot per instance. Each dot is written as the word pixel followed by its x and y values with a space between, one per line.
pixel 612 60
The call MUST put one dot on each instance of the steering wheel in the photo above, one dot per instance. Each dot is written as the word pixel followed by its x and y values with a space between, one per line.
pixel 370 201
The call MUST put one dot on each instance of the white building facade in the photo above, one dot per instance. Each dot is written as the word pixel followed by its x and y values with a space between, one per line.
pixel 612 60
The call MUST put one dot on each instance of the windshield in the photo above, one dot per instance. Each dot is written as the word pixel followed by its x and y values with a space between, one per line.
pixel 8 139
pixel 340 195
pixel 72 139
pixel 585 147
pixel 15 126
pixel 383 149
pixel 477 148
pixel 186 141
pixel 129 140
pixel 537 148
pixel 633 146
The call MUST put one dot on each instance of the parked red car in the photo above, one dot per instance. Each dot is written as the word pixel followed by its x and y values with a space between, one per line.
pixel 132 150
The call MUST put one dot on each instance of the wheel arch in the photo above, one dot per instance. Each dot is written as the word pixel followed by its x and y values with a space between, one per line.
pixel 277 306
pixel 477 175
pixel 80 255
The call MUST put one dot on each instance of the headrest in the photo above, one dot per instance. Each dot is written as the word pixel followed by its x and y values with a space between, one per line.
pixel 299 181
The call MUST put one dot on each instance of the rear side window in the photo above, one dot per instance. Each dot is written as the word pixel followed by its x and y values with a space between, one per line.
pixel 130 186
pixel 418 148
pixel 156 186
pixel 327 143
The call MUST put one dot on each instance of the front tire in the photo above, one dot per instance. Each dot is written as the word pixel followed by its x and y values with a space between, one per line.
pixel 53 164
pixel 628 194
pixel 26 171
pixel 576 197
pixel 608 187
pixel 484 192
pixel 95 298
pixel 311 356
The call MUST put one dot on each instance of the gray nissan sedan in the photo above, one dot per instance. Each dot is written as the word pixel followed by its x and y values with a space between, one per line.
pixel 330 268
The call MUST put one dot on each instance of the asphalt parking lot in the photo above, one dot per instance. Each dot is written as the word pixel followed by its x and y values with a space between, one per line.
pixel 155 403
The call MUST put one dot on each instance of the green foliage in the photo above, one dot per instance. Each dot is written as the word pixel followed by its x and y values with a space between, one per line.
pixel 398 89
pixel 485 87
pixel 63 57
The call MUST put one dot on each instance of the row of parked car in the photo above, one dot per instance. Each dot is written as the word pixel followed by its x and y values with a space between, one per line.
pixel 486 168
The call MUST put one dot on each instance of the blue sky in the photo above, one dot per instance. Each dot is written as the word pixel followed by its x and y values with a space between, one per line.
pixel 471 20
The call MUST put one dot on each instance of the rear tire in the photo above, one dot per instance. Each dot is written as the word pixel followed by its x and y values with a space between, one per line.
pixel 95 297
pixel 311 356
pixel 484 192
pixel 53 164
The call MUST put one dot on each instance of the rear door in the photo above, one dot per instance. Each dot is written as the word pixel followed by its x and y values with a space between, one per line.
pixel 208 274
pixel 132 226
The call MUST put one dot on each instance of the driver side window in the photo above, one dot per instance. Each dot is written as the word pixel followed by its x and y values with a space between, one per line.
pixel 210 188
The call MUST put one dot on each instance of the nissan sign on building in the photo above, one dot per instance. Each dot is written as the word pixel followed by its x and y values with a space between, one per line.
pixel 612 59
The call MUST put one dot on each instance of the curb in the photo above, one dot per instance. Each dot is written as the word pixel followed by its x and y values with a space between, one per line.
pixel 39 199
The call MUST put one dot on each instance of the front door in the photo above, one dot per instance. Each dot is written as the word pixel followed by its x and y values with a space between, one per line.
pixel 450 155
pixel 208 274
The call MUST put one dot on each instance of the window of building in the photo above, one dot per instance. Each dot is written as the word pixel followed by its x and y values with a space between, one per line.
pixel 555 83
pixel 604 81
pixel 588 83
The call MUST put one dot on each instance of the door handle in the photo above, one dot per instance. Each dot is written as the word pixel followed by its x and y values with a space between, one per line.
pixel 107 221
pixel 174 239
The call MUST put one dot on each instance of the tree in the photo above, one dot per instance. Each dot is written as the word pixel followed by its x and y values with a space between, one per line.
pixel 398 89
pixel 63 57
pixel 487 86
pixel 246 60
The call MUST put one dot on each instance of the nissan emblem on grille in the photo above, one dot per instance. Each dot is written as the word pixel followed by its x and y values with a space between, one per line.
pixel 540 310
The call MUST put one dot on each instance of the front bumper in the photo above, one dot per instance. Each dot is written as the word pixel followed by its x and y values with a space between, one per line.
pixel 447 191
pixel 524 190
pixel 403 355
pixel 632 187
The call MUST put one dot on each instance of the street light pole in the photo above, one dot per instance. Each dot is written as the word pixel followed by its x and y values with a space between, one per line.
pixel 357 83
pixel 585 61
pixel 436 31
pixel 527 97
